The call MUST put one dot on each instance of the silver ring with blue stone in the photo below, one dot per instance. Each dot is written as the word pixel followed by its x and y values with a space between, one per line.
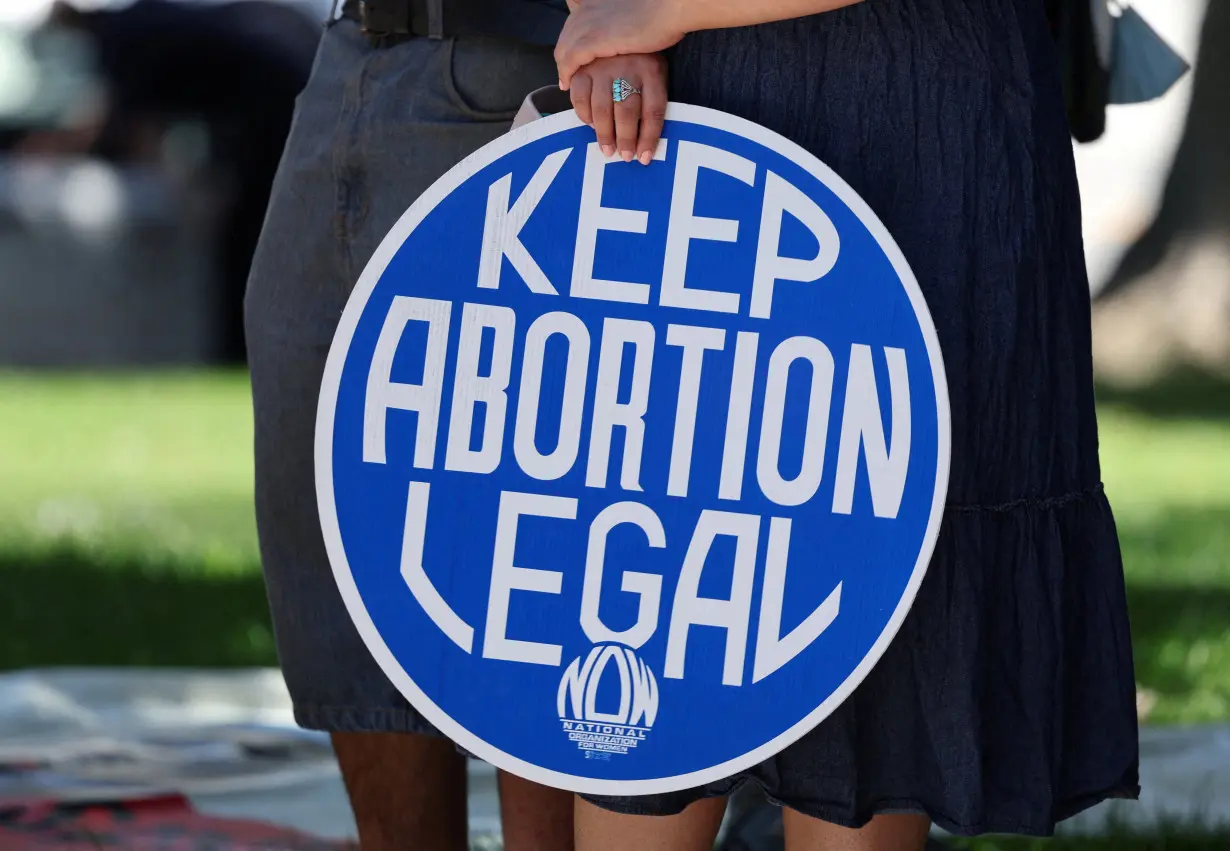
pixel 621 90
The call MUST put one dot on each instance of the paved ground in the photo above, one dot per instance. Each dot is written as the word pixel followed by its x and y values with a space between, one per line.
pixel 228 741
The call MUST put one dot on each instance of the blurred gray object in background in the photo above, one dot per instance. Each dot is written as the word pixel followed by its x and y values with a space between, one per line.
pixel 44 80
pixel 137 144
pixel 102 267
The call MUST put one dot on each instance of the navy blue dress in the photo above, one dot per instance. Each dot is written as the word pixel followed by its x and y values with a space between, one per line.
pixel 1007 700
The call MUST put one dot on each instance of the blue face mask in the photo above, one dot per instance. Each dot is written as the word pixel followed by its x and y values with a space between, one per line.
pixel 1143 66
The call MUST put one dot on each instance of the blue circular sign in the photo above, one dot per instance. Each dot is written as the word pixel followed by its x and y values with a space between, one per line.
pixel 627 474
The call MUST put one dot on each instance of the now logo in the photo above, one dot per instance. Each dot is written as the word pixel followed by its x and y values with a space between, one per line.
pixel 578 697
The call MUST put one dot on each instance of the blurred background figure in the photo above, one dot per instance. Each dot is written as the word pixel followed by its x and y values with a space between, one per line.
pixel 203 91
pixel 1166 306
pixel 236 67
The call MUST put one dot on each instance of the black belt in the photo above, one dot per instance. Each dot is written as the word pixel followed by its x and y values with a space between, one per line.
pixel 399 20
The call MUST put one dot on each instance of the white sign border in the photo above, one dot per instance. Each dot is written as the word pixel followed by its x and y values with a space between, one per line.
pixel 331 381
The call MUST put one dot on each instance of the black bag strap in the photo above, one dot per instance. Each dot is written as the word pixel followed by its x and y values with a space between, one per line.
pixel 1086 82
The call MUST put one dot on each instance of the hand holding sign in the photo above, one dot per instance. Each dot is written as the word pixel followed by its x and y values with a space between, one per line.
pixel 629 510
pixel 633 126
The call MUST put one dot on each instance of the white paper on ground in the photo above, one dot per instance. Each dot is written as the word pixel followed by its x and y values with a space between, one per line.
pixel 227 740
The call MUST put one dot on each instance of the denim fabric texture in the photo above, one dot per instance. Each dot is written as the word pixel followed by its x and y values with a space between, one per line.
pixel 1006 702
pixel 375 127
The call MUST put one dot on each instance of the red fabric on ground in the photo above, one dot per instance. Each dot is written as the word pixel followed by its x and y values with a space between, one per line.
pixel 164 823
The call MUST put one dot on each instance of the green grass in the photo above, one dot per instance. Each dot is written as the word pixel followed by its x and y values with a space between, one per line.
pixel 126 527
pixel 152 462
pixel 127 536
pixel 1166 463
pixel 1164 838
pixel 1207 841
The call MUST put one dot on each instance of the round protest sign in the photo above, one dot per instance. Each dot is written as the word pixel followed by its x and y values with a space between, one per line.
pixel 628 475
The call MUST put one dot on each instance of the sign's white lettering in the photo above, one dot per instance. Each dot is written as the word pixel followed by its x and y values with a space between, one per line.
pixel 886 460
pixel 885 457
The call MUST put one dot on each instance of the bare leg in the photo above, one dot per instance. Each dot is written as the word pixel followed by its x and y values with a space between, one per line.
pixel 535 817
pixel 694 829
pixel 406 791
pixel 882 833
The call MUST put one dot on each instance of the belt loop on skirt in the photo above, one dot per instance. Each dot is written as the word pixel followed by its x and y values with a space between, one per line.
pixel 435 18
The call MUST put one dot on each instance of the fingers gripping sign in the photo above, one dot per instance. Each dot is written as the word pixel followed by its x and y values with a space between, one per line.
pixel 627 98
pixel 582 88
pixel 653 114
pixel 602 105
pixel 624 99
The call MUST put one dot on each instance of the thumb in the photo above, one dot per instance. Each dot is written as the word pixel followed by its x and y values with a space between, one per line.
pixel 570 57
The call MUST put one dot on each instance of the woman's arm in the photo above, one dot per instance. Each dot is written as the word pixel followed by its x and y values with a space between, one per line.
pixel 721 14
pixel 598 29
